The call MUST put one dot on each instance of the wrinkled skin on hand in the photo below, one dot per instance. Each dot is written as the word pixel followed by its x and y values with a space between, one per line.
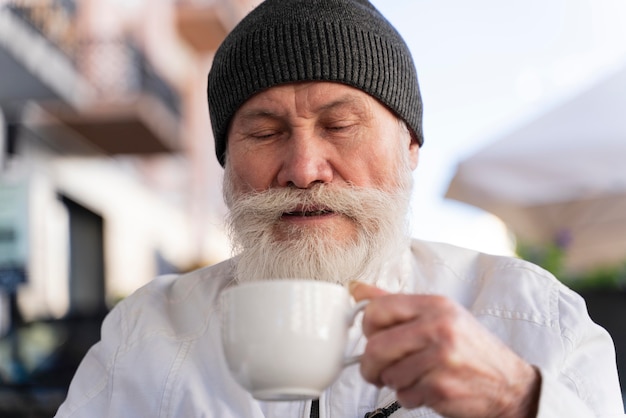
pixel 434 353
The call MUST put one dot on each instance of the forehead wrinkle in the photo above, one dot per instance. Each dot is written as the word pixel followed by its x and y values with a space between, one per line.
pixel 256 113
pixel 348 100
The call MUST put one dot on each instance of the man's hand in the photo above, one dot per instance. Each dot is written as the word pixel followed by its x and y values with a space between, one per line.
pixel 434 353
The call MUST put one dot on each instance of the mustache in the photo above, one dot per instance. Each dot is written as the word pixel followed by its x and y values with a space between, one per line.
pixel 272 204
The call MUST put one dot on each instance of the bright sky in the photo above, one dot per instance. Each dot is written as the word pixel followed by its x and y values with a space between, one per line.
pixel 484 67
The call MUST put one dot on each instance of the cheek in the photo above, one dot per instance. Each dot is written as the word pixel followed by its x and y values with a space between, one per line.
pixel 374 168
pixel 250 174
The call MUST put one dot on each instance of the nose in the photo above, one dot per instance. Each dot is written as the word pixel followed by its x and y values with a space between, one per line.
pixel 305 162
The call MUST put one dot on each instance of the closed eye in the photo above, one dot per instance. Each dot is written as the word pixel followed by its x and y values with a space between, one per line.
pixel 340 128
pixel 264 134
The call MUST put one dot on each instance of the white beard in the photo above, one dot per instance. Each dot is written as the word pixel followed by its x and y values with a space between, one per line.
pixel 381 231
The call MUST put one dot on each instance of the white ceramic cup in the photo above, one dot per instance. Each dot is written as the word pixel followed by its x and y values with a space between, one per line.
pixel 286 339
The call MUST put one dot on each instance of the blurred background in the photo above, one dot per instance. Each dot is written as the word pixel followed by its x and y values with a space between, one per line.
pixel 108 176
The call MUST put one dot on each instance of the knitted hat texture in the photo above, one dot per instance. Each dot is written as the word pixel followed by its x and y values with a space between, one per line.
pixel 284 41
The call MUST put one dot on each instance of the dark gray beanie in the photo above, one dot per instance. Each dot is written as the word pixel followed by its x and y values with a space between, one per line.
pixel 283 41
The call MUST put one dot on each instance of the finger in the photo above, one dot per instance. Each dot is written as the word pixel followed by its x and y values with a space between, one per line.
pixel 450 395
pixel 361 291
pixel 399 326
pixel 433 389
pixel 407 371
pixel 386 348
pixel 393 309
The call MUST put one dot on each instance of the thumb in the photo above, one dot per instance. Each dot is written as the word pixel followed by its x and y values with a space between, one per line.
pixel 360 291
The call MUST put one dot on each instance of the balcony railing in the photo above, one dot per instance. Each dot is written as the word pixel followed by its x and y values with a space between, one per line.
pixel 119 70
pixel 37 44
pixel 110 93
pixel 134 110
pixel 53 20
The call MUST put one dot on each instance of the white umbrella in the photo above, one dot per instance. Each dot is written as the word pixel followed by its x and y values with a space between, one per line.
pixel 560 177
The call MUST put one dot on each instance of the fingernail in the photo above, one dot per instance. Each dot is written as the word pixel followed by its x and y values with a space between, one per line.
pixel 353 285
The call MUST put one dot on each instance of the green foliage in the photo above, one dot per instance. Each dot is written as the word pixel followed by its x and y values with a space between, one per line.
pixel 606 277
pixel 552 258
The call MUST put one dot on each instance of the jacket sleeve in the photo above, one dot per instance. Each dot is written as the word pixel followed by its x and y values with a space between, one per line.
pixel 89 391
pixel 586 384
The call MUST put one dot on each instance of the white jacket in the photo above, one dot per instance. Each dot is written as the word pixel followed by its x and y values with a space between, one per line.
pixel 160 354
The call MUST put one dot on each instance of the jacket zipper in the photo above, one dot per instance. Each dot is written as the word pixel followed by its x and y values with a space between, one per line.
pixel 315 408
pixel 384 412
pixel 378 413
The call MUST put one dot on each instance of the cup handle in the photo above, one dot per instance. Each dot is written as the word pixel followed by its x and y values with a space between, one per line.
pixel 358 307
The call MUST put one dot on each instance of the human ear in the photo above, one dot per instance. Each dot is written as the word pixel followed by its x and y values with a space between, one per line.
pixel 414 151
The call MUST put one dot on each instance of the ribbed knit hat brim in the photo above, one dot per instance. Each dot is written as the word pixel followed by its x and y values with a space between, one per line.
pixel 284 41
